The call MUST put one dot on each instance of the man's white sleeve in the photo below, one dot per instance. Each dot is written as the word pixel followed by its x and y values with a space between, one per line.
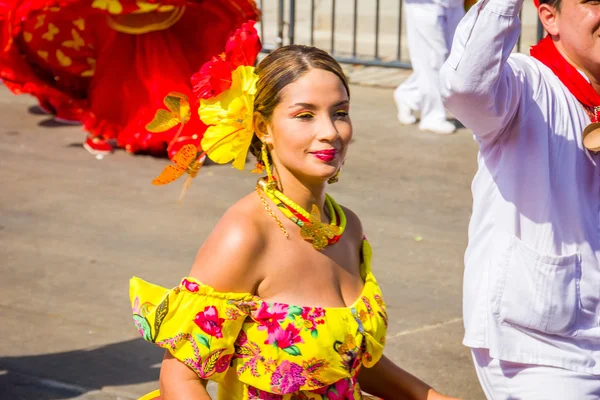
pixel 478 84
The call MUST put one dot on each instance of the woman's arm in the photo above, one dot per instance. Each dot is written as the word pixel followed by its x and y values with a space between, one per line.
pixel 178 382
pixel 388 381
pixel 228 261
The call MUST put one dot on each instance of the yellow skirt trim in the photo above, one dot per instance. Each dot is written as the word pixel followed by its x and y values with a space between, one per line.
pixel 155 395
pixel 137 24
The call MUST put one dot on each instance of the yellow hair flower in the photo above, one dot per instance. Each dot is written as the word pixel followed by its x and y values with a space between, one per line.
pixel 229 116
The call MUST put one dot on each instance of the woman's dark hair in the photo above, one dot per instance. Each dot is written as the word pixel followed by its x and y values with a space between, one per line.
pixel 283 66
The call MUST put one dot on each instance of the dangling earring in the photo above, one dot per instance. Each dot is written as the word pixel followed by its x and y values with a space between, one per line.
pixel 335 178
pixel 259 168
pixel 264 154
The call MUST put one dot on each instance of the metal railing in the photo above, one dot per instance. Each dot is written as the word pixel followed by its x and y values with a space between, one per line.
pixel 353 31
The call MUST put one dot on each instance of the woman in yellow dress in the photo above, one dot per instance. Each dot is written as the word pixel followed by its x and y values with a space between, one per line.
pixel 281 302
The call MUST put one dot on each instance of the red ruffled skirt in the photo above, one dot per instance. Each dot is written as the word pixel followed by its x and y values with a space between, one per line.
pixel 110 63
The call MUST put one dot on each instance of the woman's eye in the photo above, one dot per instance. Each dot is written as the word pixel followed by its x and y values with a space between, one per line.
pixel 304 116
pixel 341 113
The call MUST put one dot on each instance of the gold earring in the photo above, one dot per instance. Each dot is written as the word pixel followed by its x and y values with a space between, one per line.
pixel 335 178
pixel 259 168
pixel 264 154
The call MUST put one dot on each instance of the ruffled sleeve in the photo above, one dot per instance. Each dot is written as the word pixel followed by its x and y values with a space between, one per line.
pixel 372 313
pixel 197 324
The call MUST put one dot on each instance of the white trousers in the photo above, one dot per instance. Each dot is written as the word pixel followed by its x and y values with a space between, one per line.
pixel 430 31
pixel 503 380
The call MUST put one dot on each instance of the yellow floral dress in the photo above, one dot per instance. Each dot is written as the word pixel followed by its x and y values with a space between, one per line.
pixel 256 349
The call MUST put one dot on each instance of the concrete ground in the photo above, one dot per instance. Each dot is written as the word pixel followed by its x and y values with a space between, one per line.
pixel 74 229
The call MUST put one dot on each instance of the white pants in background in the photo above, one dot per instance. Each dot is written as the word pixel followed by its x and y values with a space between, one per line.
pixel 430 29
pixel 503 380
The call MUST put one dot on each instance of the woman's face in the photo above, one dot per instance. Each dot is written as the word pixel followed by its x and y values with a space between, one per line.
pixel 310 128
pixel 577 26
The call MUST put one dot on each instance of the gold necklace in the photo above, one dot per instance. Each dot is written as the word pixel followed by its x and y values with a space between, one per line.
pixel 312 229
pixel 270 211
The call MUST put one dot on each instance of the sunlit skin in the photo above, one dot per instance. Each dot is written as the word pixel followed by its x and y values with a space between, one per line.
pixel 308 137
pixel 575 29
pixel 313 115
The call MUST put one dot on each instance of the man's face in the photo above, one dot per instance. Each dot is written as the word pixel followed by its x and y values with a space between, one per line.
pixel 577 27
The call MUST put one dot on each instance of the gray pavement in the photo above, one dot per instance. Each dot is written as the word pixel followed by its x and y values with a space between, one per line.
pixel 74 229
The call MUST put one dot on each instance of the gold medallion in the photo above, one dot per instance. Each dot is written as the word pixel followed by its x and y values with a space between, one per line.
pixel 318 232
pixel 591 137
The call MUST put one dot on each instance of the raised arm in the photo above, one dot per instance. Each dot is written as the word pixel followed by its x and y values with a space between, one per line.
pixel 478 83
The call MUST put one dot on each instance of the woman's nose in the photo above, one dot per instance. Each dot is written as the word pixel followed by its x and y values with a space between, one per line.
pixel 327 130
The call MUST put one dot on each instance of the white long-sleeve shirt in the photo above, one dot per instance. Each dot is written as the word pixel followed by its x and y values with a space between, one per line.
pixel 532 266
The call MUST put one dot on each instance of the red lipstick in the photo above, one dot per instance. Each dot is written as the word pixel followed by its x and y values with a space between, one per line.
pixel 325 155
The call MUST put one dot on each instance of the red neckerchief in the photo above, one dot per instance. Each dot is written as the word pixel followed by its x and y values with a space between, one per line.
pixel 547 53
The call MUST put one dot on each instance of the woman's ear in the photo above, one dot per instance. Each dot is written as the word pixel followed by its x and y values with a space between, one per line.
pixel 549 17
pixel 261 128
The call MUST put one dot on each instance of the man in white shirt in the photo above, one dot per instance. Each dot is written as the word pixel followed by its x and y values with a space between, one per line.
pixel 430 26
pixel 531 302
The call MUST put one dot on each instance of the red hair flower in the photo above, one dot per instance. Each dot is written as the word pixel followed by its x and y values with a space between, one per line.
pixel 214 76
pixel 243 47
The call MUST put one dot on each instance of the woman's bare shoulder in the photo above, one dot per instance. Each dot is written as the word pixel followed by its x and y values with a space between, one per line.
pixel 354 226
pixel 231 257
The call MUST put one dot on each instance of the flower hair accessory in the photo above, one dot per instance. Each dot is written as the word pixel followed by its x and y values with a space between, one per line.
pixel 225 86
pixel 229 119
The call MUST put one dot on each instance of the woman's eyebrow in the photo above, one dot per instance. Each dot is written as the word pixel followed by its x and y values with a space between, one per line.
pixel 313 107
pixel 342 103
pixel 304 105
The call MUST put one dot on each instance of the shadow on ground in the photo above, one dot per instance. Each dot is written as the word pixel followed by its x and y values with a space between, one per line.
pixel 81 371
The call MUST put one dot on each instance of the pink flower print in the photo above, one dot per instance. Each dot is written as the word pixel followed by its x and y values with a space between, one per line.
pixel 246 307
pixel 287 378
pixel 223 363
pixel 379 301
pixel 232 313
pixel 136 305
pixel 368 304
pixel 241 339
pixel 190 286
pixel 313 316
pixel 209 321
pixel 344 390
pixel 287 338
pixel 270 319
pixel 256 394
